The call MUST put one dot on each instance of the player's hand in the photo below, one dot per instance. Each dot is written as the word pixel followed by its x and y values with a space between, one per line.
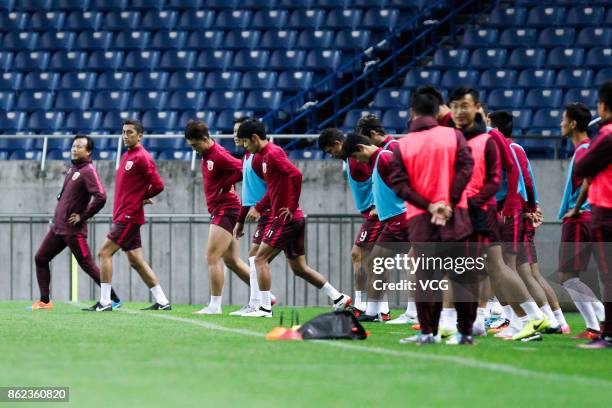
pixel 439 213
pixel 252 215
pixel 573 213
pixel 373 212
pixel 238 230
pixel 286 214
pixel 148 201
pixel 74 219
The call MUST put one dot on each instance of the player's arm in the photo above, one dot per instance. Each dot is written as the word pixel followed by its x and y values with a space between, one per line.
pixel 294 176
pixel 529 185
pixel 400 183
pixel 492 175
pixel 582 196
pixel 464 165
pixel 156 185
pixel 96 191
pixel 508 165
pixel 233 169
pixel 597 157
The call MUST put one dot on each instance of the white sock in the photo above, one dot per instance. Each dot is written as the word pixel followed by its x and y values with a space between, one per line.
pixel 600 311
pixel 266 301
pixel 383 307
pixel 105 293
pixel 411 308
pixel 523 321
pixel 480 317
pixel 358 302
pixel 254 295
pixel 448 319
pixel 159 296
pixel 372 308
pixel 585 300
pixel 215 302
pixel 516 322
pixel 533 311
pixel 330 291
pixel 507 312
pixel 549 313
pixel 559 316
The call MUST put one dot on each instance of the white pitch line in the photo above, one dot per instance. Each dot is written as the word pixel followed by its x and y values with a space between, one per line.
pixel 468 362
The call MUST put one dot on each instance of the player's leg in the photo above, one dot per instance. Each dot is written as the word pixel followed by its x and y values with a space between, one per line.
pixel 136 259
pixel 377 309
pixel 105 258
pixel 49 248
pixel 360 281
pixel 562 326
pixel 410 315
pixel 265 255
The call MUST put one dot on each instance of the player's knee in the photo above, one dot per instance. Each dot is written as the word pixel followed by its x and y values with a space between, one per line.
pixel 40 259
pixel 356 254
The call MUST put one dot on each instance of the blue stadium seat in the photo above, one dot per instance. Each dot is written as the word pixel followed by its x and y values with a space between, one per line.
pixel 343 18
pixel 175 155
pixel 105 60
pixel 353 115
pixel 536 78
pixel 586 96
pixel 121 20
pixel 83 121
pixel 159 19
pixel 132 40
pixel 547 118
pixel 306 154
pixel 105 154
pixel 46 21
pixel 223 80
pixel 148 100
pixel 581 16
pixel 26 155
pixel 391 98
pixel 42 121
pixel 518 37
pixel 22 143
pixel 11 122
pixel 396 119
pixel 146 4
pixel 291 4
pixel 287 59
pixel 268 19
pixel 263 100
pixel 232 19
pixel 58 154
pixel 108 5
pixel 521 118
pixel 352 39
pixel 4 155
pixel 279 39
pixel 450 58
pixel 479 37
pixel 67 61
pixel 245 39
pixel 145 59
pixel 259 80
pixel 556 37
pixel 169 39
pixel 7 100
pixel 152 80
pixel 420 77
pixel 10 81
pixel 207 116
pixel 34 100
pixel 6 60
pixel 594 37
pixel 94 40
pixel 574 77
pixel 507 16
pixel 258 4
pixel 205 39
pixel 214 60
pixel 221 100
pixel 84 21
pixel 250 59
pixel 543 98
pixel 602 76
pixel 19 40
pixel 177 60
pixel 295 80
pixel 545 16
pixel 186 80
pixel 488 58
pixel 505 99
pixel 331 4
pixel 53 143
pixel 115 80
pixel 187 100
pixel 169 144
pixel 61 40
pixel 43 81
pixel 315 39
pixel 159 122
pixel 453 78
pixel 307 18
pixel 31 61
pixel 72 100
pixel 14 21
pixel 323 60
pixel 599 57
pixel 195 19
pixel 70 5
pixel 527 58
pixel 368 4
pixel 565 57
pixel 113 121
pixel 111 100
pixel 383 19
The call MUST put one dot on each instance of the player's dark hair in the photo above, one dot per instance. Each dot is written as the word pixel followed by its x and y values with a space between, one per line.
pixel 330 136
pixel 459 93
pixel 241 119
pixel 424 104
pixel 503 121
pixel 605 95
pixel 431 90
pixel 136 123
pixel 196 130
pixel 350 144
pixel 90 142
pixel 580 113
pixel 252 127
pixel 369 123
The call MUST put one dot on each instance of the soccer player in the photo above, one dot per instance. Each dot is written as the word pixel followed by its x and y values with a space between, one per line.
pixel 220 172
pixel 359 177
pixel 136 184
pixel 81 197
pixel 287 230
pixel 370 126
pixel 575 248
pixel 597 165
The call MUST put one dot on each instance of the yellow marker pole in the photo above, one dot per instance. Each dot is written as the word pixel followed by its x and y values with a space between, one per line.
pixel 74 286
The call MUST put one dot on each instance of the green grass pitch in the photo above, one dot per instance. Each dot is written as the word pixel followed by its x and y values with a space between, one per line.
pixel 176 359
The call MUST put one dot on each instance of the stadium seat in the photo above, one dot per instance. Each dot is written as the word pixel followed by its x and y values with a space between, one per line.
pixel 245 39
pixel 586 96
pixel 258 4
pixel 505 99
pixel 214 60
pixel 10 81
pixel 186 80
pixel 7 100
pixel 105 60
pixel 61 40
pixel 117 80
pixel 369 4
pixel 152 80
pixel 323 60
pixel 163 40
pixel 19 41
pixel 26 155
pixel 382 19
pixel 4 155
pixel 207 116
pixel 263 100
pixel 232 19
pixel 121 20
pixel 6 60
pixel 13 22
pixel 420 77
pixel 175 155
pixel 450 58
pixel 72 100
pixel 11 122
pixel 507 17
pixel 353 116
pixel 602 76
pixel 352 39
pixel 111 100
pixel 147 4
pixel 479 37
pixel 543 98
pixel 187 100
pixel 58 154
pixel 574 77
pixel 250 59
pixel 546 16
pixel 594 37
pixel 307 19
pixel 223 80
pixel 46 21
pixel 94 40
pixel 310 39
pixel 43 81
pixel 209 39
pixel 269 19
pixel 459 77
pixel 31 61
pixel 391 98
pixel 291 4
pixel 141 60
pixel 53 143
pixel 105 154
pixel 221 100
pixel 42 121
pixel 159 19
pixel 599 57
pixel 287 59
pixel 195 19
pixel 177 60
pixel 295 80
pixel 521 118
pixel 68 61
pixel 108 5
pixel 565 57
pixel 488 58
pixel 527 58
pixel 34 100
pixel 518 37
pixel 343 18
pixel 148 100
pixel 84 21
pixel 536 78
pixel 168 144
pixel 22 143
pixel 83 121
pixel 307 154
pixel 132 40
pixel 259 80
pixel 547 118
pixel 581 16
pixel 70 5
pixel 556 37
pixel 279 39
pixel 396 119
pixel 113 120
pixel 160 122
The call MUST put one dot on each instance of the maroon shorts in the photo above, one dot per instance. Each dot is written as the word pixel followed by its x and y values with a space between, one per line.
pixel 512 232
pixel 226 219
pixel 575 249
pixel 369 232
pixel 395 230
pixel 262 224
pixel 126 235
pixel 289 236
pixel 527 250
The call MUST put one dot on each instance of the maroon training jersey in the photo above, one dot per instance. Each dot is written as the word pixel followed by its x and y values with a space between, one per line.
pixel 137 180
pixel 220 172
